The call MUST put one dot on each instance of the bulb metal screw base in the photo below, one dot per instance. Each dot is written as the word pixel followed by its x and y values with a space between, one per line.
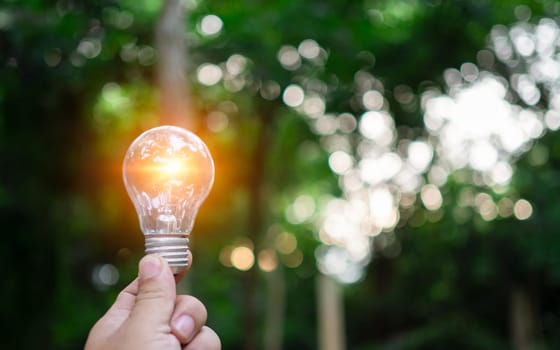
pixel 174 248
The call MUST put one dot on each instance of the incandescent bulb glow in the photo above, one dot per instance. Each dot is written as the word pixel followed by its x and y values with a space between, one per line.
pixel 168 172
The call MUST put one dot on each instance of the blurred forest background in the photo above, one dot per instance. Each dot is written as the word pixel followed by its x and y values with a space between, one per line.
pixel 387 171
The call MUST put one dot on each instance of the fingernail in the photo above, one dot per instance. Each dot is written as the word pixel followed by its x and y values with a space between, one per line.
pixel 150 266
pixel 184 325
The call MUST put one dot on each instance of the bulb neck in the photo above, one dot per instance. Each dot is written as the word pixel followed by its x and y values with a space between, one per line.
pixel 173 247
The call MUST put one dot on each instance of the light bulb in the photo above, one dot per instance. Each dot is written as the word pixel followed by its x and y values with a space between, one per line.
pixel 168 172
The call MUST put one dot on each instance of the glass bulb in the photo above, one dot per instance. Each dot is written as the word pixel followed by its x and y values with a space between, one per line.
pixel 168 172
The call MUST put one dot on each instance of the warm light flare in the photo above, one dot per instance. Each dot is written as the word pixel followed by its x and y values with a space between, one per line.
pixel 170 171
pixel 173 167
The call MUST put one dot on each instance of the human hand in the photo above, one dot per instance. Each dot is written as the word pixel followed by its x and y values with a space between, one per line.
pixel 148 315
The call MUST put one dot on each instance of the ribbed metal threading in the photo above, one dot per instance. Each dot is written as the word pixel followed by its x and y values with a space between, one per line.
pixel 172 247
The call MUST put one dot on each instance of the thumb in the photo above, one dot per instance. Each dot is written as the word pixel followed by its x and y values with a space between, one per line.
pixel 156 295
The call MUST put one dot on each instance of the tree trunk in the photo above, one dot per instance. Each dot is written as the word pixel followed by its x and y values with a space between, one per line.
pixel 523 319
pixel 255 227
pixel 275 310
pixel 175 108
pixel 330 314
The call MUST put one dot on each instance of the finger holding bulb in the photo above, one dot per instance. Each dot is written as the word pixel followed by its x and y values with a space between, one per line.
pixel 149 315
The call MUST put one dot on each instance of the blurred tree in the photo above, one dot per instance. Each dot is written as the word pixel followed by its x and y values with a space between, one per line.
pixel 171 50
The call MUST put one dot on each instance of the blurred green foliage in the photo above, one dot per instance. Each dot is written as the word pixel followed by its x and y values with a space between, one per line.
pixel 76 87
